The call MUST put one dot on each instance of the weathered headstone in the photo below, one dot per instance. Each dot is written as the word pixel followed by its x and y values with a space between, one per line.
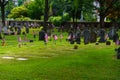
pixel 72 38
pixel 102 35
pixel 93 36
pixel 42 35
pixel 77 37
pixel 19 31
pixel 86 35
pixel 115 37
pixel 118 53
pixel 27 29
pixel 5 30
pixel 108 43
pixel 111 33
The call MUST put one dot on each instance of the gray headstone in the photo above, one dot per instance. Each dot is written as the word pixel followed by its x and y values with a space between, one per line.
pixel 93 36
pixel 102 35
pixel 86 35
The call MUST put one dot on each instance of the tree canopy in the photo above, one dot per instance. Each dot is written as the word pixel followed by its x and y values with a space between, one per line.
pixel 76 9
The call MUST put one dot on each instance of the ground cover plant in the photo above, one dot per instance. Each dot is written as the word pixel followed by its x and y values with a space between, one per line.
pixel 58 61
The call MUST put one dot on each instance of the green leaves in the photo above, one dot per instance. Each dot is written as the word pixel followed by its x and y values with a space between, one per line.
pixel 18 12
pixel 36 9
pixel 56 20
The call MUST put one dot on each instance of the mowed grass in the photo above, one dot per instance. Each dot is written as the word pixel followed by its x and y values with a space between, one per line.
pixel 58 62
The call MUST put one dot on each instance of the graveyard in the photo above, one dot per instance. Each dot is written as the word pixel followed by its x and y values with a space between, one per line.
pixel 60 61
pixel 59 40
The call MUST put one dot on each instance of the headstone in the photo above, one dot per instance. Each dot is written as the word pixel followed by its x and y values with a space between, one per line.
pixel 5 30
pixel 108 43
pixel 19 31
pixel 97 43
pixel 93 36
pixel 102 36
pixel 86 35
pixel 27 30
pixel 72 38
pixel 111 33
pixel 42 35
pixel 118 53
pixel 115 37
pixel 77 37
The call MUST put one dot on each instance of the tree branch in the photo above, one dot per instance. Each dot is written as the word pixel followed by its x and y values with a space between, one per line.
pixel 110 7
pixel 5 3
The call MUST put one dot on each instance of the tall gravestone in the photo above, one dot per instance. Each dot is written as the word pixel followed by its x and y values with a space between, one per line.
pixel 42 35
pixel 78 37
pixel 86 35
pixel 115 37
pixel 111 33
pixel 72 37
pixel 118 53
pixel 93 36
pixel 102 35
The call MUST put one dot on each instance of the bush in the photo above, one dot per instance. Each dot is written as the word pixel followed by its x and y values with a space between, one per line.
pixel 66 17
pixel 56 20
pixel 17 12
pixel 23 19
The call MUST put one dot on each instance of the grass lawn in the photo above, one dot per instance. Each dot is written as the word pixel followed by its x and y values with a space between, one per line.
pixel 58 62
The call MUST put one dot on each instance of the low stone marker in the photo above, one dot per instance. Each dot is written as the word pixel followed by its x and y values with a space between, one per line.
pixel 10 57
pixel 7 57
pixel 22 59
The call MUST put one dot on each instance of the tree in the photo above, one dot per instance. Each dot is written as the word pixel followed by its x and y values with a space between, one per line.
pixel 115 14
pixel 80 6
pixel 46 10
pixel 106 7
pixel 35 8
pixel 20 2
pixel 3 3
pixel 18 12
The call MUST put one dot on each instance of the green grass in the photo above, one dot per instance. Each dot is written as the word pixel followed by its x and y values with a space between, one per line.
pixel 58 62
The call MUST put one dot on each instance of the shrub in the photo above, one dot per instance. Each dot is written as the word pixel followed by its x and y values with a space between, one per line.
pixel 56 20
pixel 17 12
pixel 66 17
pixel 23 18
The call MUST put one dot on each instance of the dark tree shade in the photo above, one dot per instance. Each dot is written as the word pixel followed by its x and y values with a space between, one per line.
pixel 106 7
pixel 46 15
pixel 3 3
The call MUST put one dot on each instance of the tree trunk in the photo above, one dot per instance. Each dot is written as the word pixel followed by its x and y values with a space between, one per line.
pixel 46 15
pixel 73 16
pixel 3 15
pixel 102 24
pixel 3 20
